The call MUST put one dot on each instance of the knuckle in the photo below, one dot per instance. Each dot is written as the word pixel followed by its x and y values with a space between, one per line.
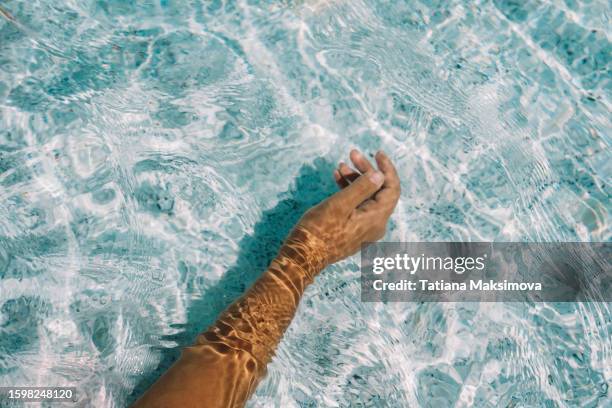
pixel 332 206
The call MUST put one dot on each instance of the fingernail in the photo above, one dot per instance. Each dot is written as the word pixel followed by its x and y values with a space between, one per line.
pixel 377 178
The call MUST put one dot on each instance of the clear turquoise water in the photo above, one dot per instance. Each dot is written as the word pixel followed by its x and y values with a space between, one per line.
pixel 153 155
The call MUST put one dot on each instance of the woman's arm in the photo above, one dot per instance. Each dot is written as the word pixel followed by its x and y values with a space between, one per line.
pixel 225 365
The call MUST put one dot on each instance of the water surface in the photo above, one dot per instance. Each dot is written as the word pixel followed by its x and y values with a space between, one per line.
pixel 153 154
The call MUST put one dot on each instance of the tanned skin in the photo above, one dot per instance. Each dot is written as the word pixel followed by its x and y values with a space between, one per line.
pixel 228 360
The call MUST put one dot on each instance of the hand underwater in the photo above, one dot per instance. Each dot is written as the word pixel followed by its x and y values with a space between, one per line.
pixel 358 213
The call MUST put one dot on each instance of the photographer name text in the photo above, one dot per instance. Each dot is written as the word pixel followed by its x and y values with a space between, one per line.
pixel 427 285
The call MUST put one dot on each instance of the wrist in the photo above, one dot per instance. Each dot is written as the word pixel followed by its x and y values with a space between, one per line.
pixel 304 250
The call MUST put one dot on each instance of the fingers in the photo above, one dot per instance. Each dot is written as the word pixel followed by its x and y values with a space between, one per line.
pixel 348 174
pixel 390 192
pixel 388 169
pixel 339 179
pixel 357 192
pixel 386 198
pixel 360 161
pixel 345 175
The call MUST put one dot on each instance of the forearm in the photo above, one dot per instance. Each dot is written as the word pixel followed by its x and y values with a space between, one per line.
pixel 224 366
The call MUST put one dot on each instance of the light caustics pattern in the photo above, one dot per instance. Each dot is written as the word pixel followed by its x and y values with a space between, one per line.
pixel 153 154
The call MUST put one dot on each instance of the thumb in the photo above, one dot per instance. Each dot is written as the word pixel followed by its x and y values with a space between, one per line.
pixel 360 190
